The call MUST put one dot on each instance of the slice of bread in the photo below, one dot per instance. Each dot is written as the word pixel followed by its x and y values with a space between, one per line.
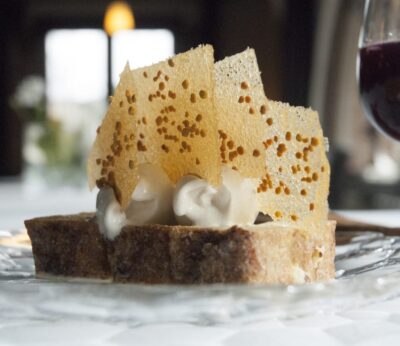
pixel 268 253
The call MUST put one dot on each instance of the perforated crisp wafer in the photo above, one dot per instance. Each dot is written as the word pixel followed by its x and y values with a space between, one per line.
pixel 295 186
pixel 240 103
pixel 112 160
pixel 176 120
pixel 170 114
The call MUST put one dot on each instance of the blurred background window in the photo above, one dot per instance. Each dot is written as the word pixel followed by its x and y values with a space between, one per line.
pixel 76 74
pixel 76 59
pixel 76 65
pixel 76 90
pixel 141 47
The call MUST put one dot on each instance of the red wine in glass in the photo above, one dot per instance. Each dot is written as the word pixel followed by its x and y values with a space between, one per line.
pixel 379 79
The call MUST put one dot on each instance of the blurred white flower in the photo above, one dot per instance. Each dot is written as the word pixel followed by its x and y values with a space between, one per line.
pixel 30 92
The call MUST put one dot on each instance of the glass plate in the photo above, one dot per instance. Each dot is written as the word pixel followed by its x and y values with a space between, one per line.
pixel 367 263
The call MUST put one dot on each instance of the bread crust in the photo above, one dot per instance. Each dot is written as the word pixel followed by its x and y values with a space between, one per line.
pixel 157 254
pixel 68 245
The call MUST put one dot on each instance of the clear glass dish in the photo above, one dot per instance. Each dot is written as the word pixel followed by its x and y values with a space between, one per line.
pixel 367 263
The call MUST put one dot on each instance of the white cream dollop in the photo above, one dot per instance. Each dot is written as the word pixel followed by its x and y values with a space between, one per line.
pixel 110 217
pixel 234 202
pixel 151 203
pixel 192 202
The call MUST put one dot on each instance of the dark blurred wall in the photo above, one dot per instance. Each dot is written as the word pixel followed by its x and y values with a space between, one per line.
pixel 256 24
pixel 281 31
pixel 10 64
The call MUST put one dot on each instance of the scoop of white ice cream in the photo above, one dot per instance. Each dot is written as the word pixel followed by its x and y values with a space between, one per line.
pixel 151 203
pixel 192 202
pixel 198 203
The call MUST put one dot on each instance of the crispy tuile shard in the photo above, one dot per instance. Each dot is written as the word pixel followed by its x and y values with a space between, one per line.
pixel 307 183
pixel 190 116
pixel 238 78
pixel 164 135
pixel 114 145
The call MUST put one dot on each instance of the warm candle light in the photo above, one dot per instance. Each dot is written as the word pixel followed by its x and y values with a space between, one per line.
pixel 118 16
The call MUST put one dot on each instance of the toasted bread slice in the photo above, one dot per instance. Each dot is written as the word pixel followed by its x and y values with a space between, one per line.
pixel 69 246
pixel 268 253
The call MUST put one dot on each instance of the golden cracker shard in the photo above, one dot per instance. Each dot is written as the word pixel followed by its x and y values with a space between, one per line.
pixel 112 160
pixel 240 103
pixel 176 119
pixel 169 114
pixel 295 186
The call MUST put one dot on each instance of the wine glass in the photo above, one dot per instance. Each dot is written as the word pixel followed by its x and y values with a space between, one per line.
pixel 379 65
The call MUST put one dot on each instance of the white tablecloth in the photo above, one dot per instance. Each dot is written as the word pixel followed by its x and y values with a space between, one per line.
pixel 374 324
